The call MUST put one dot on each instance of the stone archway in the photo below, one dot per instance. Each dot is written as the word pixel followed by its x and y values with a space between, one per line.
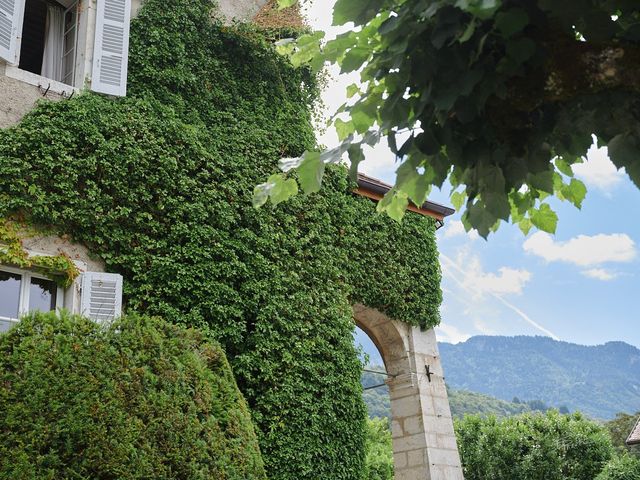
pixel 424 443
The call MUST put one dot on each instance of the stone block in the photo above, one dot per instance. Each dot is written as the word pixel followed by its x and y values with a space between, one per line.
pixel 440 456
pixel 399 460
pixel 416 458
pixel 409 442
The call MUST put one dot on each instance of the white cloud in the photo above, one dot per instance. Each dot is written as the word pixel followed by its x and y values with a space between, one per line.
pixel 466 274
pixel 600 274
pixel 599 171
pixel 455 228
pixel 450 334
pixel 506 281
pixel 583 250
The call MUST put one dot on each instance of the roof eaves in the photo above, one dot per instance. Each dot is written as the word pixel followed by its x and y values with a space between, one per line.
pixel 376 186
pixel 634 436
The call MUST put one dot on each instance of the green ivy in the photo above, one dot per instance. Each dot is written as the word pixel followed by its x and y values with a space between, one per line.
pixel 59 268
pixel 159 185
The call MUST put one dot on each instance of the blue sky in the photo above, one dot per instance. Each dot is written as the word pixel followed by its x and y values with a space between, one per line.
pixel 579 285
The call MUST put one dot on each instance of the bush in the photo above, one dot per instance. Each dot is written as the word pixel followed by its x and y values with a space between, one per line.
pixel 624 467
pixel 379 459
pixel 138 399
pixel 532 446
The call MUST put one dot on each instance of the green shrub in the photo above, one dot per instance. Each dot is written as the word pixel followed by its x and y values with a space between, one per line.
pixel 139 399
pixel 623 467
pixel 379 459
pixel 532 446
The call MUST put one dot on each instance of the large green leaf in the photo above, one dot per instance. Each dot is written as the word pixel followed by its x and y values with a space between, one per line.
pixel 512 21
pixel 286 3
pixel 310 172
pixel 544 218
pixel 394 204
pixel 624 153
pixel 357 11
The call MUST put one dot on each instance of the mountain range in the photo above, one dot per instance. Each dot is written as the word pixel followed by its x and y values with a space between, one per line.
pixel 599 381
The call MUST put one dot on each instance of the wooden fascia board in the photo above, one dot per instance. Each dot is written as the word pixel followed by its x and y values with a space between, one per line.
pixel 363 192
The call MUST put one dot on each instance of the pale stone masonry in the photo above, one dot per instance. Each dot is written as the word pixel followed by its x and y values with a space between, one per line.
pixel 424 443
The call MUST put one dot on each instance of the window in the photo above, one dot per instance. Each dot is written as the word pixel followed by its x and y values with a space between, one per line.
pixel 49 34
pixel 22 292
pixel 48 43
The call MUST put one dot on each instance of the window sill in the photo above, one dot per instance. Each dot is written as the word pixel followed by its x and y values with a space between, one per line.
pixel 44 83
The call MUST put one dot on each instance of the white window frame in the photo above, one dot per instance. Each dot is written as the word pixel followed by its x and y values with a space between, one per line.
pixel 25 284
pixel 48 84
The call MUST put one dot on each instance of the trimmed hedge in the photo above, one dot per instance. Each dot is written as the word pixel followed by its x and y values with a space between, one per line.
pixel 159 185
pixel 139 399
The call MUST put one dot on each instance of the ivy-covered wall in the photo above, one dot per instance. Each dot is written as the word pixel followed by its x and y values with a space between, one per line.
pixel 159 186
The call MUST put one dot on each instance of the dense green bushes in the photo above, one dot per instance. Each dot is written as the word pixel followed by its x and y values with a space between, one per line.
pixel 623 467
pixel 139 399
pixel 379 459
pixel 532 446
pixel 159 185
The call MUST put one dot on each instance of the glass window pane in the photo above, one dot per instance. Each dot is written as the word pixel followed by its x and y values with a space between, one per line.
pixel 42 295
pixel 9 294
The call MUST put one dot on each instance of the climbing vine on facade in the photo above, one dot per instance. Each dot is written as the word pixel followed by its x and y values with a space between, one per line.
pixel 159 186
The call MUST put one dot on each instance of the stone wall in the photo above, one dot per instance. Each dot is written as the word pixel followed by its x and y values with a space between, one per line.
pixel 50 245
pixel 240 10
pixel 17 98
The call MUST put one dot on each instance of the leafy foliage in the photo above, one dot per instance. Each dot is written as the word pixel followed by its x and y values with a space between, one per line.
pixel 624 467
pixel 159 186
pixel 498 97
pixel 137 399
pixel 379 459
pixel 59 268
pixel 619 429
pixel 533 446
pixel 462 402
pixel 558 373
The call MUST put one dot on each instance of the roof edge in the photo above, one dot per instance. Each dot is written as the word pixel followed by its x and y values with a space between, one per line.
pixel 375 189
pixel 634 436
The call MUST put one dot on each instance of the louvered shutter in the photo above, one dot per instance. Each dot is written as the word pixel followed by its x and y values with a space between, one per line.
pixel 11 13
pixel 101 298
pixel 111 48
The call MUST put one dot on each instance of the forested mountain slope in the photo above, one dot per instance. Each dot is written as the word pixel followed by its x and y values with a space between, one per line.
pixel 597 380
pixel 461 401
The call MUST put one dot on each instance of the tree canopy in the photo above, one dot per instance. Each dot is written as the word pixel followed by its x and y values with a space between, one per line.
pixel 498 97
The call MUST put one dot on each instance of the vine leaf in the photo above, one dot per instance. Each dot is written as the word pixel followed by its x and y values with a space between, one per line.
pixel 310 172
pixel 623 150
pixel 511 22
pixel 544 218
pixel 282 4
pixel 394 204
pixel 277 188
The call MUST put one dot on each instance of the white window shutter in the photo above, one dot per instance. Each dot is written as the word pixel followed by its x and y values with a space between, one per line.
pixel 111 48
pixel 11 14
pixel 101 298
